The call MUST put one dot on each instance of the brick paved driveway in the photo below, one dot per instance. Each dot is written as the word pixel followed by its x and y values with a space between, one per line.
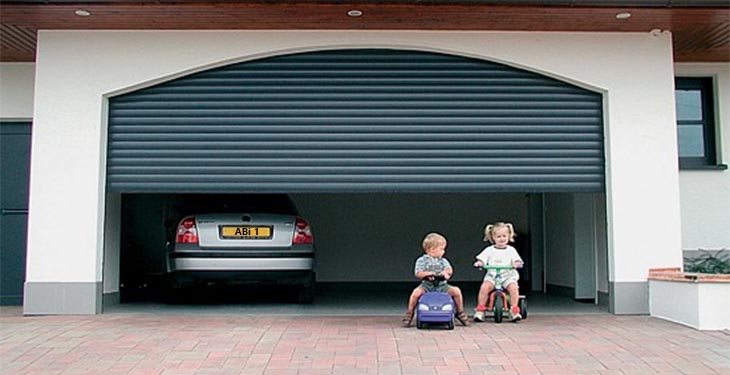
pixel 286 344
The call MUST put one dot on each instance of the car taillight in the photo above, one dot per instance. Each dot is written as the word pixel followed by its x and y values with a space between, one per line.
pixel 187 232
pixel 302 232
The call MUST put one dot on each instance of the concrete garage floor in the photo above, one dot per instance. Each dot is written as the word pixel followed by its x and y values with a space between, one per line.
pixel 331 300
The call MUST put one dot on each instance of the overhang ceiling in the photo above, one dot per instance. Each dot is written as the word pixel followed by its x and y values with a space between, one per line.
pixel 700 28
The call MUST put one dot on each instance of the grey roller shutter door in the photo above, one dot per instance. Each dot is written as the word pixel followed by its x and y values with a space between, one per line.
pixel 369 120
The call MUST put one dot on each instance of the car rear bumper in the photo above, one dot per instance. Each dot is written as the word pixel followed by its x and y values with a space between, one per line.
pixel 435 317
pixel 241 264
pixel 288 278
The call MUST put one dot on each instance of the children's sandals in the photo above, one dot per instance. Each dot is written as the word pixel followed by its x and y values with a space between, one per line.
pixel 407 319
pixel 462 318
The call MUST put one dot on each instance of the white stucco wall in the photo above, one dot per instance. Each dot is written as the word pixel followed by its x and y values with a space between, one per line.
pixel 16 91
pixel 701 305
pixel 705 194
pixel 77 69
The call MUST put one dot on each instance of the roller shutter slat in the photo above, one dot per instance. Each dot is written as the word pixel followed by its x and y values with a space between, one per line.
pixel 368 120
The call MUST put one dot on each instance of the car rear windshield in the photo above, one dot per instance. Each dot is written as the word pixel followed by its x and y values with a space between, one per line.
pixel 233 203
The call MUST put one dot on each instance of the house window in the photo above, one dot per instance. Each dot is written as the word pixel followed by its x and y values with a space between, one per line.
pixel 695 122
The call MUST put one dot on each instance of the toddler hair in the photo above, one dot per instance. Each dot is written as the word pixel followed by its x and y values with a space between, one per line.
pixel 491 228
pixel 432 240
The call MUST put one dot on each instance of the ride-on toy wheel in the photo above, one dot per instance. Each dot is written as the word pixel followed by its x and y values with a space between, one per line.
pixel 449 324
pixel 523 307
pixel 498 308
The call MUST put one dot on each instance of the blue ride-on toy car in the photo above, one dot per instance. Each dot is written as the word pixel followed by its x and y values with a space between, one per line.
pixel 435 308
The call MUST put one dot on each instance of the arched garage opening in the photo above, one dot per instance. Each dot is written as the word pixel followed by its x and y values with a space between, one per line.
pixel 377 147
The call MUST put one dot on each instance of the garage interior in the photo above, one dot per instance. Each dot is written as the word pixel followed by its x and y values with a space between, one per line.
pixel 377 148
pixel 367 245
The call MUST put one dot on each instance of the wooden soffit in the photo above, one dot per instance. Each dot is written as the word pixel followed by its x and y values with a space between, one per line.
pixel 700 33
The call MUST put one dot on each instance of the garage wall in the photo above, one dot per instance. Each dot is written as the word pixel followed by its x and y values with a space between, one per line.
pixel 705 195
pixel 560 240
pixel 601 238
pixel 112 247
pixel 77 69
pixel 576 262
pixel 359 237
pixel 377 237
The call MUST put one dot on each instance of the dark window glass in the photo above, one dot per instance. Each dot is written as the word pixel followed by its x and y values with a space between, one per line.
pixel 695 122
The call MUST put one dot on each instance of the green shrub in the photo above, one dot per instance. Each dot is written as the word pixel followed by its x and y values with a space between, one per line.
pixel 709 262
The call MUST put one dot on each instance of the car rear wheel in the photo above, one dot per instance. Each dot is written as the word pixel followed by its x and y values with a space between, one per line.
pixel 174 293
pixel 306 295
pixel 307 292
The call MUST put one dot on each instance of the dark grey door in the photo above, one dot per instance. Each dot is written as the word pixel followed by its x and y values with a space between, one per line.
pixel 366 120
pixel 14 172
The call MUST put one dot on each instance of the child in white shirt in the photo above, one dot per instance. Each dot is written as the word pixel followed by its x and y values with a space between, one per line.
pixel 499 254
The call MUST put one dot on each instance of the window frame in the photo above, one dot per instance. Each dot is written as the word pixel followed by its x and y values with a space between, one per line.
pixel 705 85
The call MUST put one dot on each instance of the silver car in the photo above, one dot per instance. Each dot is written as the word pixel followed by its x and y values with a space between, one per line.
pixel 263 241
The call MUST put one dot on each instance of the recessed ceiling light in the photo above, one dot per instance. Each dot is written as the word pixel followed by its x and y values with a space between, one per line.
pixel 354 13
pixel 623 15
pixel 82 13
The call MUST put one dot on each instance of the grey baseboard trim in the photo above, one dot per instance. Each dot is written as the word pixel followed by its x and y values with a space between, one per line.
pixel 628 298
pixel 110 299
pixel 603 299
pixel 62 298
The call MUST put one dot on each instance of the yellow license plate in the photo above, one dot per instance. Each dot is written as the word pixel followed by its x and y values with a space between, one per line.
pixel 246 232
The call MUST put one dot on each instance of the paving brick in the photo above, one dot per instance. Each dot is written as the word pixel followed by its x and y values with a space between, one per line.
pixel 224 344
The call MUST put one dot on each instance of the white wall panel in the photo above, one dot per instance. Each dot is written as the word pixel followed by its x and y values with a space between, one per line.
pixel 705 195
pixel 16 91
